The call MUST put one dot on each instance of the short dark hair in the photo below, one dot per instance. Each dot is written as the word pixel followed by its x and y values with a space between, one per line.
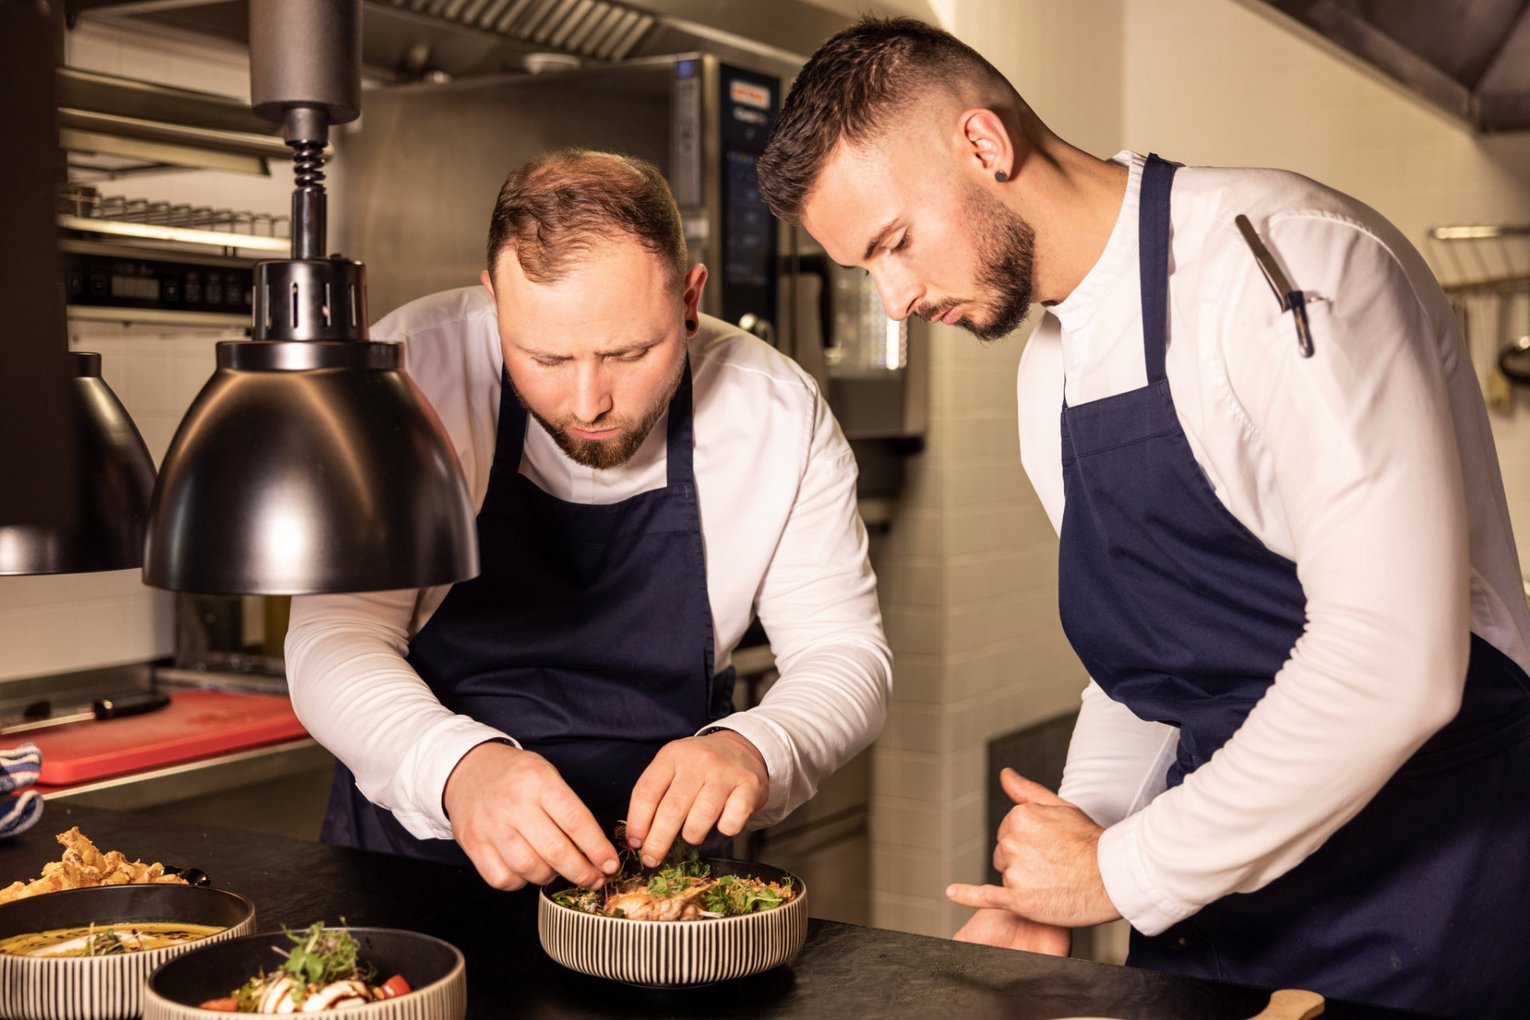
pixel 554 209
pixel 876 67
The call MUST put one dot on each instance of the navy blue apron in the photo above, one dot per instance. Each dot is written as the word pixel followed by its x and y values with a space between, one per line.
pixel 587 636
pixel 1180 613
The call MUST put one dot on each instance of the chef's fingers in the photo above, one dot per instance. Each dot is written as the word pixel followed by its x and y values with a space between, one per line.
pixel 492 867
pixel 647 794
pixel 981 897
pixel 742 803
pixel 522 863
pixel 552 853
pixel 671 814
pixel 706 809
pixel 1024 791
pixel 575 821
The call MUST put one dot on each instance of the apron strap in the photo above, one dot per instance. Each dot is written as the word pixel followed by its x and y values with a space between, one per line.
pixel 1153 230
pixel 681 436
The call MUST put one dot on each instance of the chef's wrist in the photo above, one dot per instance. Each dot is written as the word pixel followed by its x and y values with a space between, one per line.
pixel 507 741
pixel 743 741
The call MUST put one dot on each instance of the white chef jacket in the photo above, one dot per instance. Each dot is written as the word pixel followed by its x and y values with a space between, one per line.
pixel 1371 465
pixel 780 531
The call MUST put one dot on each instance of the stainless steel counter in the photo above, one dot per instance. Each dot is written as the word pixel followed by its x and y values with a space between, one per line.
pixel 278 789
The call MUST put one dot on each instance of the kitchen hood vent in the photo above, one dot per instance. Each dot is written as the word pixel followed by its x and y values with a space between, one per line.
pixel 595 29
pixel 443 39
pixel 1470 58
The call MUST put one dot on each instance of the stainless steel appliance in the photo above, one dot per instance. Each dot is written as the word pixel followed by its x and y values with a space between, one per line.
pixel 420 175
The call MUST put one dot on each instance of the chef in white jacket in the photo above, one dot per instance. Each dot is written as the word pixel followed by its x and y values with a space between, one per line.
pixel 1286 560
pixel 647 479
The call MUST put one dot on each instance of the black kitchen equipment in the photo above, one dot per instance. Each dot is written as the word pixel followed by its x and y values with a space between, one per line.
pixel 103 528
pixel 75 472
pixel 309 462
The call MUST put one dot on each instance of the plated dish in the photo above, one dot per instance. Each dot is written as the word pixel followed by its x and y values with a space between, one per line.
pixel 118 927
pixel 659 928
pixel 683 889
pixel 253 971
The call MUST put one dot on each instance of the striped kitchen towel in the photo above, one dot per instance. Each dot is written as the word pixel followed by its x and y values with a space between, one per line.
pixel 19 766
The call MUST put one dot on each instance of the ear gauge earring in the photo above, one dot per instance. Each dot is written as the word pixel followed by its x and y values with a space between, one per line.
pixel 690 325
pixel 1000 176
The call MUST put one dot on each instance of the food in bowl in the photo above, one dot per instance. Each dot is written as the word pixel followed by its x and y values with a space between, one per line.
pixel 321 971
pixel 83 865
pixel 104 939
pixel 434 970
pixel 760 923
pixel 681 888
pixel 106 986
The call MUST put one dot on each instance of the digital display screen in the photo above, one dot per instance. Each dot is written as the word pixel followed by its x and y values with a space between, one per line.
pixel 747 243
pixel 136 288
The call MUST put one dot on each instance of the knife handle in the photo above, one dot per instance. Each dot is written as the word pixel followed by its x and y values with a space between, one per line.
pixel 129 704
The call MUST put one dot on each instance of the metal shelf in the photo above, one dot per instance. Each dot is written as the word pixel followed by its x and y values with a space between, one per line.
pixel 183 235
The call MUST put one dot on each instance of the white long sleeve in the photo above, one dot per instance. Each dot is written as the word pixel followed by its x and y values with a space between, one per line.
pixel 780 530
pixel 1369 465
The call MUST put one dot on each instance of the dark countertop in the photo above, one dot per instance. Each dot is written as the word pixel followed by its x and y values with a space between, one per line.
pixel 843 971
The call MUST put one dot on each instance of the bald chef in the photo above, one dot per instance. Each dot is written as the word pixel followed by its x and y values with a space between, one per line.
pixel 647 480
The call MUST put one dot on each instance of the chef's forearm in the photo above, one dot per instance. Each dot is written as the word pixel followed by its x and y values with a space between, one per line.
pixel 824 710
pixel 356 694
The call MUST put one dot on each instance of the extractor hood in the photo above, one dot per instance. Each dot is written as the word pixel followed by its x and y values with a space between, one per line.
pixel 412 39
pixel 1471 58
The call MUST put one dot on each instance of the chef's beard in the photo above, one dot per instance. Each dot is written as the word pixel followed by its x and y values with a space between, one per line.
pixel 1006 255
pixel 613 452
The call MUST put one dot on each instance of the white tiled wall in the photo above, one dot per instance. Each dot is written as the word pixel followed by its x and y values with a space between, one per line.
pixel 74 621
pixel 970 571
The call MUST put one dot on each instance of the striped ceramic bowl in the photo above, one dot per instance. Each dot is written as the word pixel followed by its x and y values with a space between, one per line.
pixel 671 953
pixel 104 987
pixel 434 969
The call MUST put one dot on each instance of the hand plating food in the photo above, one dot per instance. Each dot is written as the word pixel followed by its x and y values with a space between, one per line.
pixel 682 888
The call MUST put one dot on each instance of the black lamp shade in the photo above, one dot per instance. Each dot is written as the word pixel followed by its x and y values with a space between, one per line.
pixel 306 467
pixel 101 525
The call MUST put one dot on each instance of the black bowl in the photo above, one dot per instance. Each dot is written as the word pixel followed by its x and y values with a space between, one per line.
pixel 104 987
pixel 434 969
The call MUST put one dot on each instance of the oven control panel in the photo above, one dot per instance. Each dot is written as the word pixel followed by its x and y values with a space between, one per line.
pixel 142 281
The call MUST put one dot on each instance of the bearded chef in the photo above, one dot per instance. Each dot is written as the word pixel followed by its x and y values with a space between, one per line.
pixel 1286 561
pixel 647 479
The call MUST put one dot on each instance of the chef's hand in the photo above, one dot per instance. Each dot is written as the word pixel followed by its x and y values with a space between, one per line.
pixel 1011 931
pixel 691 785
pixel 1051 870
pixel 519 822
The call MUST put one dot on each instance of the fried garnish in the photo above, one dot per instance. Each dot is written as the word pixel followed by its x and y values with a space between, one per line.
pixel 83 865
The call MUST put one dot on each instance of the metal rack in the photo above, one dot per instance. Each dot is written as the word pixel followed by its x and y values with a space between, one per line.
pixel 1485 270
pixel 83 208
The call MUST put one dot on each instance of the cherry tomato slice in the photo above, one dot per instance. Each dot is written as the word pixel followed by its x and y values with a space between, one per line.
pixel 395 986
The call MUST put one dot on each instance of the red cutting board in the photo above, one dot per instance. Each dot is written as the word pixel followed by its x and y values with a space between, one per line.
pixel 194 725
